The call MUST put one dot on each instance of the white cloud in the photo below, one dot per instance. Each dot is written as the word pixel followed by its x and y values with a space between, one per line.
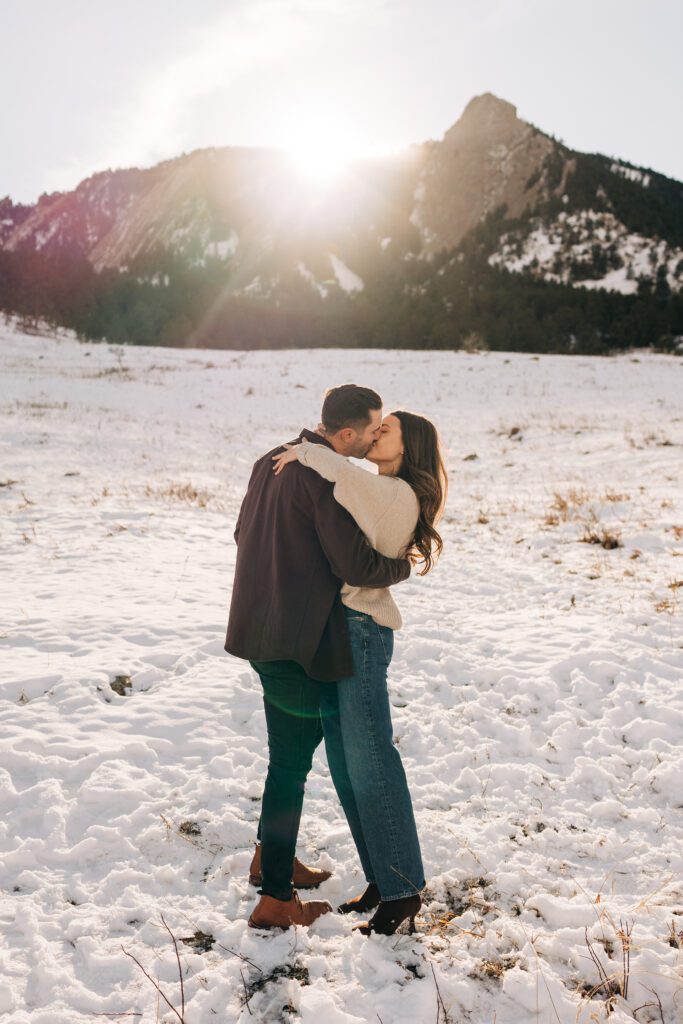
pixel 147 127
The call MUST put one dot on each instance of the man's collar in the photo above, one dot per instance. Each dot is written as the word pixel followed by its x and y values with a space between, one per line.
pixel 309 435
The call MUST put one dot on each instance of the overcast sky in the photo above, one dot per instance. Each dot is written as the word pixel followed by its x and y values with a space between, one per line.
pixel 90 85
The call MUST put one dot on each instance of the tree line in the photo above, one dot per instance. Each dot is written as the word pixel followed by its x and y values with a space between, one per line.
pixel 455 300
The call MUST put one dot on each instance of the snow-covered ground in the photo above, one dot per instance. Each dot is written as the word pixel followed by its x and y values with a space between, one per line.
pixel 537 689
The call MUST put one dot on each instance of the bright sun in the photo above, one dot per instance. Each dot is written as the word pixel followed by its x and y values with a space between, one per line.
pixel 319 163
pixel 323 145
pixel 320 144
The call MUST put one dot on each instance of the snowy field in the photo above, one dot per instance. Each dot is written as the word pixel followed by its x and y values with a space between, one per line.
pixel 537 689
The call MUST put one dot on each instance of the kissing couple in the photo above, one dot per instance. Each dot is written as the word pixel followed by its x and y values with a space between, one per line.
pixel 320 541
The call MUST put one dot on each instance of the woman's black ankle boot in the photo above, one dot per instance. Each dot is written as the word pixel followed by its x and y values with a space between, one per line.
pixel 390 915
pixel 359 904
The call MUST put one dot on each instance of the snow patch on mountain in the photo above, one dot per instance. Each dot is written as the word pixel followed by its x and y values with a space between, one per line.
pixel 347 280
pixel 590 249
pixel 224 247
pixel 255 287
pixel 306 273
pixel 631 174
pixel 43 237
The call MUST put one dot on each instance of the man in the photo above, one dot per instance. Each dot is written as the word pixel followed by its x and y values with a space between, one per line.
pixel 295 547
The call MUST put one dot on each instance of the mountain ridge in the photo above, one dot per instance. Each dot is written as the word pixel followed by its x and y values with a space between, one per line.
pixel 495 190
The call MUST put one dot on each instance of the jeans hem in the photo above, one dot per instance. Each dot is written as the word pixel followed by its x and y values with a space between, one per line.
pixel 417 891
pixel 283 899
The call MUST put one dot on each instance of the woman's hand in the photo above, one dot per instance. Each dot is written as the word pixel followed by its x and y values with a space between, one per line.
pixel 283 458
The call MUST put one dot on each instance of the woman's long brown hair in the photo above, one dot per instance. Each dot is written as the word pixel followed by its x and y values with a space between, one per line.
pixel 423 468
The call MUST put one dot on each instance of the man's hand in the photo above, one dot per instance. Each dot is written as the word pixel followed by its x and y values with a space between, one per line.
pixel 282 458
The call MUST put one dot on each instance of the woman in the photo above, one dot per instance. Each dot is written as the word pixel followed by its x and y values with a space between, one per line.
pixel 396 509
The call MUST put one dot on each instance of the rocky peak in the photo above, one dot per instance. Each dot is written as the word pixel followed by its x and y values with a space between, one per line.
pixel 489 157
pixel 485 115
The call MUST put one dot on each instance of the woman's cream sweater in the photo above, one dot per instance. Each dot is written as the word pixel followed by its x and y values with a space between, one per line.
pixel 385 508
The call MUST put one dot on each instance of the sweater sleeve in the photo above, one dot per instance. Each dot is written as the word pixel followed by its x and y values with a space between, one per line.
pixel 350 556
pixel 366 496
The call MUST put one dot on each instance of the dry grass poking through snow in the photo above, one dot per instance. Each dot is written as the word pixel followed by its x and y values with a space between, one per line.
pixel 185 493
pixel 583 507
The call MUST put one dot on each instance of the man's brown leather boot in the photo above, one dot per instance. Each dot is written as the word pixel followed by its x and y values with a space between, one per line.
pixel 272 913
pixel 303 877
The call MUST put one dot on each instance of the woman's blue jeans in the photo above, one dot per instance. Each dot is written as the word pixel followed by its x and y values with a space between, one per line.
pixel 366 767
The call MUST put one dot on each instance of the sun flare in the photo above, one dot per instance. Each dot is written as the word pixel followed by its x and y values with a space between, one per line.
pixel 319 163
pixel 320 144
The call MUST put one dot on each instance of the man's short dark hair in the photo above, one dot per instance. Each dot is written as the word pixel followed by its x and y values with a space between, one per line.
pixel 348 406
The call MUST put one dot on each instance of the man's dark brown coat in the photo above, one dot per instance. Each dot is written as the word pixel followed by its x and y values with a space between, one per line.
pixel 295 547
